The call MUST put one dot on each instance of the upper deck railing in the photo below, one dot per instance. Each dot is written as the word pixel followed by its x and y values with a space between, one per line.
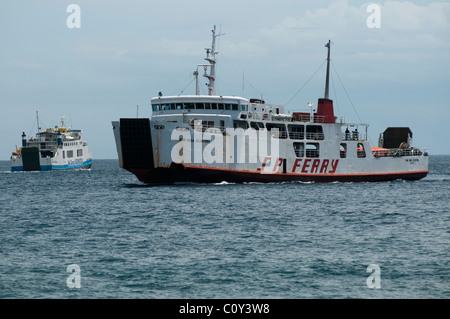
pixel 398 152
pixel 354 136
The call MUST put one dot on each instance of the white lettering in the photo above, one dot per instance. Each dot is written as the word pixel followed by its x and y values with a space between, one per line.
pixel 213 151
pixel 198 141
pixel 374 280
pixel 245 308
pixel 73 20
pixel 181 152
pixel 249 147
pixel 74 280
pixel 196 309
pixel 373 20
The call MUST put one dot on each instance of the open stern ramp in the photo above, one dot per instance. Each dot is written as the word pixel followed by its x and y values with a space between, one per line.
pixel 134 143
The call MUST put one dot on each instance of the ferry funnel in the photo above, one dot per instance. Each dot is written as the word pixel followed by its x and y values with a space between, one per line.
pixel 24 139
pixel 325 111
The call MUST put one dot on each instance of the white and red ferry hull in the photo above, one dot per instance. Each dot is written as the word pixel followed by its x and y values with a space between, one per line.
pixel 149 157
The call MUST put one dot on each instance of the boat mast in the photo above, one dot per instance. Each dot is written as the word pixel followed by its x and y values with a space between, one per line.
pixel 37 121
pixel 328 70
pixel 197 88
pixel 211 58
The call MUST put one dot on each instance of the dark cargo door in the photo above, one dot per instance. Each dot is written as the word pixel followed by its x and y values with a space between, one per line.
pixel 30 159
pixel 136 142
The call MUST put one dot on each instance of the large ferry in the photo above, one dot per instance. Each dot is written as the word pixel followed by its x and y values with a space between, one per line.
pixel 213 138
pixel 52 149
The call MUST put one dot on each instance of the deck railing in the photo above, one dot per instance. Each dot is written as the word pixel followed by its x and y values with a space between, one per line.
pixel 398 152
pixel 354 136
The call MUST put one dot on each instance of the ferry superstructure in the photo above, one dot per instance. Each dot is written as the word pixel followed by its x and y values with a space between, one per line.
pixel 53 149
pixel 212 138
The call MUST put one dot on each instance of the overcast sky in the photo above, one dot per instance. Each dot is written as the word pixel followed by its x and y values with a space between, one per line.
pixel 125 52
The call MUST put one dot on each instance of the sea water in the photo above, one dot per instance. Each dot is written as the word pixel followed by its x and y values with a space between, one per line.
pixel 100 233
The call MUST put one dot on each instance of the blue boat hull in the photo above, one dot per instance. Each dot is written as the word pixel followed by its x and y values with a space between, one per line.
pixel 85 165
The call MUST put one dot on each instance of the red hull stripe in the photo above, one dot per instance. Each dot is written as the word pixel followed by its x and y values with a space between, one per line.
pixel 305 175
pixel 217 175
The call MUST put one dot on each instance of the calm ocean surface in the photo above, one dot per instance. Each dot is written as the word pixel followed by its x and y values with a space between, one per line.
pixel 288 240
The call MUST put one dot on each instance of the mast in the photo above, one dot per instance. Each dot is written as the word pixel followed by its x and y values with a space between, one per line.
pixel 327 81
pixel 325 110
pixel 37 121
pixel 197 88
pixel 211 58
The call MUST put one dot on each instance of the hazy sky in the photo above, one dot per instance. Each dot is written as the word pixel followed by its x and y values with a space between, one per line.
pixel 125 52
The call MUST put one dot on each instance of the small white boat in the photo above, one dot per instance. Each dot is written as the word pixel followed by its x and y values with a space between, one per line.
pixel 54 148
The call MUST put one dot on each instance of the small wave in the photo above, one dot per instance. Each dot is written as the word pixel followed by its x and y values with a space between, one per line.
pixel 224 183
pixel 29 172
pixel 439 180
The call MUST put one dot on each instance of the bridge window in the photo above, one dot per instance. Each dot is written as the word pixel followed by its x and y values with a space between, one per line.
pixel 234 107
pixel 312 150
pixel 214 106
pixel 277 126
pixel 296 132
pixel 189 106
pixel 227 106
pixel 257 125
pixel 179 106
pixel 207 106
pixel 314 132
pixel 221 106
pixel 200 106
pixel 207 124
pixel 240 124
pixel 299 149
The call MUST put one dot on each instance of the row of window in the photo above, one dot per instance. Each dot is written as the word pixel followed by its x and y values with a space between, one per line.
pixel 294 131
pixel 72 144
pixel 311 150
pixel 199 106
pixel 70 153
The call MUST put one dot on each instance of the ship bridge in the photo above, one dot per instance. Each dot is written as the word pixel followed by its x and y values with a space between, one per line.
pixel 206 105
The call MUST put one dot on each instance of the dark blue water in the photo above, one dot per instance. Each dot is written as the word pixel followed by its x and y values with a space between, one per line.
pixel 289 240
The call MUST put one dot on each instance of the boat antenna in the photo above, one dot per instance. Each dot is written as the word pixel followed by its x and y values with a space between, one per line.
pixel 197 88
pixel 327 81
pixel 211 58
pixel 37 121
